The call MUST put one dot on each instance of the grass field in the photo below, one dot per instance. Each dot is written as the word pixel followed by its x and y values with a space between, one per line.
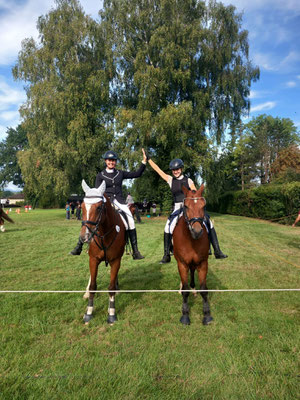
pixel 251 351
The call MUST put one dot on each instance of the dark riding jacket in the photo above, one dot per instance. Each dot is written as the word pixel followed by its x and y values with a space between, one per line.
pixel 114 181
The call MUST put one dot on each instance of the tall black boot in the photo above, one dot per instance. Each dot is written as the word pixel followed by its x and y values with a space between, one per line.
pixel 133 240
pixel 167 243
pixel 77 249
pixel 215 244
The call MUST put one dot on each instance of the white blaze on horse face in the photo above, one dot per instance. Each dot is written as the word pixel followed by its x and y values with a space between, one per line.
pixel 87 207
pixel 195 201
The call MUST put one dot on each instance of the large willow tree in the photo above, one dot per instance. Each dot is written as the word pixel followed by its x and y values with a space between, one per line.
pixel 68 109
pixel 164 74
pixel 182 74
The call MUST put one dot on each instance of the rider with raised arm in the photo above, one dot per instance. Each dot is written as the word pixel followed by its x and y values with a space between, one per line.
pixel 113 178
pixel 175 182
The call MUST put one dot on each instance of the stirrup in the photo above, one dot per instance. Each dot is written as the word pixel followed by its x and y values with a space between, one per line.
pixel 166 259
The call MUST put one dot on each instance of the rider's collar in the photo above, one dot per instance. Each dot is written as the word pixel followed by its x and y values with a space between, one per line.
pixel 179 178
pixel 110 170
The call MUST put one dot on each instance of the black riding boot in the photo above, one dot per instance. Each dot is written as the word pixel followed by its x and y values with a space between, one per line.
pixel 133 240
pixel 167 243
pixel 78 249
pixel 215 244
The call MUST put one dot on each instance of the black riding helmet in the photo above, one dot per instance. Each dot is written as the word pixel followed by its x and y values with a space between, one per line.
pixel 110 155
pixel 176 164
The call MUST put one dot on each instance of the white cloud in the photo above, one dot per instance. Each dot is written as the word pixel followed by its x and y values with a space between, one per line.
pixel 18 21
pixel 291 84
pixel 268 105
pixel 9 115
pixel 258 94
pixel 266 61
pixel 246 5
pixel 9 96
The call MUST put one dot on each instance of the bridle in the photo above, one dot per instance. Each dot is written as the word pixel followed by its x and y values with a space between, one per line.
pixel 95 232
pixel 190 222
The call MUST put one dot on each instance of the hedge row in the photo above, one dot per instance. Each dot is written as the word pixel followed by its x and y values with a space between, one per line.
pixel 272 202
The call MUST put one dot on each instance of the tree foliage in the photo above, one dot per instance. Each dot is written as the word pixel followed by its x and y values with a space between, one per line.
pixel 258 152
pixel 15 141
pixel 67 111
pixel 163 74
pixel 286 167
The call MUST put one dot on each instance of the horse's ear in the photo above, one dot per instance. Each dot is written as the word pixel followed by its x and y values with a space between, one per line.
pixel 101 188
pixel 185 190
pixel 85 186
pixel 201 189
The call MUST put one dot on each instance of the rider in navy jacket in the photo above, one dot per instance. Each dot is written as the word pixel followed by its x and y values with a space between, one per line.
pixel 113 179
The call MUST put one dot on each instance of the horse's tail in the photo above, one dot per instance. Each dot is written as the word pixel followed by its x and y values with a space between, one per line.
pixel 6 217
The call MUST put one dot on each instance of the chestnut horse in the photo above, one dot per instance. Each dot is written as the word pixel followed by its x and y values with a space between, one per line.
pixel 191 247
pixel 103 228
pixel 4 216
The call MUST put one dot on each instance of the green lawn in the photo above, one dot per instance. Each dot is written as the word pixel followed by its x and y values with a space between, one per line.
pixel 249 352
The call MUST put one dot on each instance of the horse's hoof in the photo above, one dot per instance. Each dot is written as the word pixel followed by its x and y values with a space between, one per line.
pixel 112 319
pixel 207 320
pixel 87 318
pixel 185 320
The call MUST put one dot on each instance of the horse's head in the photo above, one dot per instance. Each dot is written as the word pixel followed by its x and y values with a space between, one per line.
pixel 193 210
pixel 93 210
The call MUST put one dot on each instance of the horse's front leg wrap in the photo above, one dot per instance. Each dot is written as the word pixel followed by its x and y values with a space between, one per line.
pixel 89 312
pixel 185 319
pixel 112 316
pixel 207 319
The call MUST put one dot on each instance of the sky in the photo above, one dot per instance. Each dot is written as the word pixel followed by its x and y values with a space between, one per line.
pixel 274 40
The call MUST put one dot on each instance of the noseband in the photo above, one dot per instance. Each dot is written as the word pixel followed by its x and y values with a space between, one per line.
pixel 190 222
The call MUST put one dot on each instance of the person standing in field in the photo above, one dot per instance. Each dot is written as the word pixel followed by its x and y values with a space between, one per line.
pixel 68 209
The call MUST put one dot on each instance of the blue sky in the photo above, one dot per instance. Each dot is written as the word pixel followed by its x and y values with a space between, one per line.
pixel 274 38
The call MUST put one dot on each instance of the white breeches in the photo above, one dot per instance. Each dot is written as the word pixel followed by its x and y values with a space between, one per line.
pixel 124 207
pixel 170 225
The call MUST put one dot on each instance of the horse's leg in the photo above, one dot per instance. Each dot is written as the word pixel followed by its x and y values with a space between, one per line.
pixel 184 274
pixel 113 285
pixel 93 286
pixel 202 272
pixel 192 282
pixel 87 293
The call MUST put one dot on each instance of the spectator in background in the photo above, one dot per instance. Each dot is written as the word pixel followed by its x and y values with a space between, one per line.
pixel 78 211
pixel 154 209
pixel 72 208
pixel 68 210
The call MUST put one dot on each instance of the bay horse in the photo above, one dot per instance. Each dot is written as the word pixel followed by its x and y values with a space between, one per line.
pixel 4 216
pixel 104 230
pixel 190 248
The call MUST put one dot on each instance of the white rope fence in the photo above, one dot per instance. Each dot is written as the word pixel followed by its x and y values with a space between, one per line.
pixel 150 291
